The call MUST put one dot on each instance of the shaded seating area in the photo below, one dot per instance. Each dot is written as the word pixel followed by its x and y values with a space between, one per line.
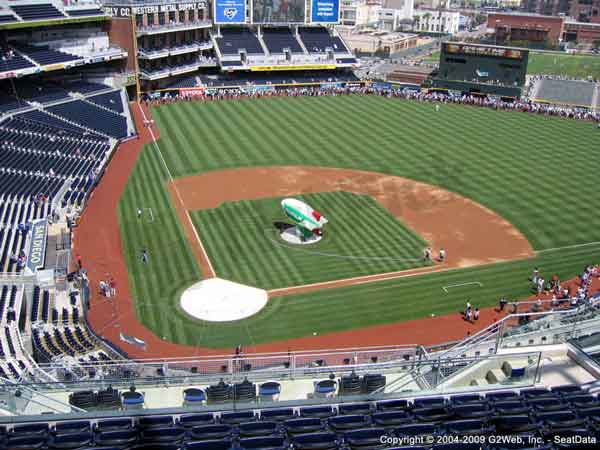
pixel 92 117
pixel 37 11
pixel 44 55
pixel 318 40
pixel 85 12
pixel 278 39
pixel 11 61
pixel 110 100
pixel 232 40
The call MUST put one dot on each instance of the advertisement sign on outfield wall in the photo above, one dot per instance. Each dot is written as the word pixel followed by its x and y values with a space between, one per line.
pixel 192 92
pixel 230 11
pixel 325 11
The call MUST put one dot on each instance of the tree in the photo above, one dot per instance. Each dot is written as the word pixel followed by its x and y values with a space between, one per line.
pixel 416 20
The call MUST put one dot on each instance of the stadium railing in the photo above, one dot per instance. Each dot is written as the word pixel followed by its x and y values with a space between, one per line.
pixel 528 361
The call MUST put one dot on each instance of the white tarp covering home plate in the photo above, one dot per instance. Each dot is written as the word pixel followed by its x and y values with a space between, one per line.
pixel 218 300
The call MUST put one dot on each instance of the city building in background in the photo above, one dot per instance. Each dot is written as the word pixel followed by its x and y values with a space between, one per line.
pixel 437 21
pixel 536 30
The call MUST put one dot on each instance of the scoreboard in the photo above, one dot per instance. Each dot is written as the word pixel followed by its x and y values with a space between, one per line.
pixel 483 64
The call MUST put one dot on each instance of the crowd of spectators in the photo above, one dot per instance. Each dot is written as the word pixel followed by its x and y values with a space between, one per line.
pixel 407 94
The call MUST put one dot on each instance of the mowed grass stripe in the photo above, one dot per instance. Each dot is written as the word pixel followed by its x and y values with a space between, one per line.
pixel 362 238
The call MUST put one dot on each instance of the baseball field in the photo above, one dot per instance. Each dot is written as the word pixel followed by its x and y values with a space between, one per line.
pixel 535 175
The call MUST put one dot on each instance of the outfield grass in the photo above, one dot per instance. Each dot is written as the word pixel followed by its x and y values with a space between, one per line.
pixel 535 171
pixel 361 238
pixel 433 58
pixel 575 66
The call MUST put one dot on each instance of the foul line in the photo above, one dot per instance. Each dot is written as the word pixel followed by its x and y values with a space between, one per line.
pixel 207 259
pixel 568 247
pixel 364 279
pixel 445 288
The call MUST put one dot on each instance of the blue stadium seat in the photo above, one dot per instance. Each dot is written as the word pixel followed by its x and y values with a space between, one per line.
pixel 560 419
pixel 502 396
pixel 471 410
pixel 465 399
pixel 119 424
pixel 322 412
pixel 387 405
pixel 566 389
pixel 172 435
pixel 349 422
pixel 222 444
pixel 315 441
pixel 511 407
pixel 391 418
pixel 365 438
pixel 31 429
pixel 535 392
pixel 78 426
pixel 262 428
pixel 278 414
pixel 546 404
pixel 514 424
pixel 470 426
pixel 117 438
pixel 263 443
pixel 432 414
pixel 237 417
pixel 25 443
pixel 211 432
pixel 303 425
pixel 431 402
pixel 193 396
pixel 355 408
pixel 70 441
pixel 148 422
pixel 192 420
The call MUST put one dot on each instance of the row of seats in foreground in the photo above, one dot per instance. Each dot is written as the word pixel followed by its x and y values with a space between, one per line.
pixel 533 415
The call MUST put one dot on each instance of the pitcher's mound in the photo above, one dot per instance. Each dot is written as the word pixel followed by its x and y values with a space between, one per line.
pixel 218 300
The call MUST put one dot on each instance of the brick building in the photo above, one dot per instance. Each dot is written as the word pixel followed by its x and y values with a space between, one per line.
pixel 533 28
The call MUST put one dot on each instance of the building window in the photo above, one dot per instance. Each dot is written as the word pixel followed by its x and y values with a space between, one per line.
pixel 181 16
pixel 139 20
pixel 171 16
pixel 161 18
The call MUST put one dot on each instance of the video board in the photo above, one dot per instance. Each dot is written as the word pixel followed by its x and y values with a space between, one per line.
pixel 278 11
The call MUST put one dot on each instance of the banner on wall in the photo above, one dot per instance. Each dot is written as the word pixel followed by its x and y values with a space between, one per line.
pixel 230 11
pixel 37 247
pixel 325 11
pixel 299 67
pixel 192 92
